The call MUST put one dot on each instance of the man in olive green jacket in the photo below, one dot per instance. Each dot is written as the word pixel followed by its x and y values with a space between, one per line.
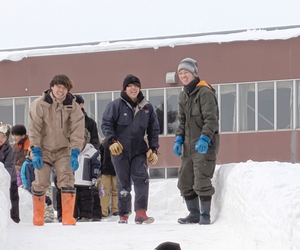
pixel 56 134
pixel 198 132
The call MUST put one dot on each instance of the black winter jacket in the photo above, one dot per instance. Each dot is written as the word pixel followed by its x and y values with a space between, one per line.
pixel 107 168
pixel 128 125
pixel 7 157
pixel 91 126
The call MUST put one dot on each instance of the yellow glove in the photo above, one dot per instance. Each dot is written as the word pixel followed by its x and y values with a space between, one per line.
pixel 116 148
pixel 152 157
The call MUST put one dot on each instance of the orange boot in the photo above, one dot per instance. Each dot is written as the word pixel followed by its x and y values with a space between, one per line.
pixel 38 209
pixel 68 196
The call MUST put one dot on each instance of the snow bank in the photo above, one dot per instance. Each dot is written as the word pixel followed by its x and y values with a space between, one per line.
pixel 4 205
pixel 260 201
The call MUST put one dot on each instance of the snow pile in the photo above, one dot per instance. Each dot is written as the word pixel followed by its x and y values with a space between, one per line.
pixel 256 206
pixel 4 204
pixel 261 200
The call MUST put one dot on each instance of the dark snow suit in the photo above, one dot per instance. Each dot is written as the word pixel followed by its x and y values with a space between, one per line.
pixel 128 125
pixel 198 114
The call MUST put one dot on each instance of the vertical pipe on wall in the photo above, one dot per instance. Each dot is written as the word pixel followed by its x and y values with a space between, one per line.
pixel 275 105
pixel 256 107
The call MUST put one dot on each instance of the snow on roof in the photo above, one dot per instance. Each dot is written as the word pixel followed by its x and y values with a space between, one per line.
pixel 278 33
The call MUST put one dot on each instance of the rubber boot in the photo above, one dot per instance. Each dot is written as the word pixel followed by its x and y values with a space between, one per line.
pixel 141 217
pixel 38 209
pixel 205 210
pixel 123 219
pixel 68 196
pixel 193 207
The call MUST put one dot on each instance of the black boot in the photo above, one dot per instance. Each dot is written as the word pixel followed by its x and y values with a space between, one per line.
pixel 205 210
pixel 193 207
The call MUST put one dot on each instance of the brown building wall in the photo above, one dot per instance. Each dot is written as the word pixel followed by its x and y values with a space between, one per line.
pixel 218 63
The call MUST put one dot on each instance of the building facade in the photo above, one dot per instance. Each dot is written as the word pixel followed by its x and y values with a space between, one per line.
pixel 257 84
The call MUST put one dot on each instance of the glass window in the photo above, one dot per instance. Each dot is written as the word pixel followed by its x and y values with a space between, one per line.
pixel 284 104
pixel 156 98
pixel 172 172
pixel 247 107
pixel 21 111
pixel 298 104
pixel 157 173
pixel 6 111
pixel 32 98
pixel 172 109
pixel 265 106
pixel 89 104
pixel 228 107
pixel 116 94
pixel 102 100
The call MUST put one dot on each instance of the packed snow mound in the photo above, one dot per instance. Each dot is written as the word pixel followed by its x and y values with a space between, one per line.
pixel 259 201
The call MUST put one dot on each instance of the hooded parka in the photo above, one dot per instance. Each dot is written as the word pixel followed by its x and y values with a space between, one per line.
pixel 56 126
pixel 198 114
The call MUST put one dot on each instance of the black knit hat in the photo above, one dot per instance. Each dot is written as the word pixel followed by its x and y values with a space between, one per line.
pixel 18 130
pixel 131 79
pixel 168 246
pixel 79 99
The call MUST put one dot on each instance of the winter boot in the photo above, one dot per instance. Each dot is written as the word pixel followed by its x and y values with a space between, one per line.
pixel 83 219
pixel 38 208
pixel 141 217
pixel 68 196
pixel 123 219
pixel 193 207
pixel 205 210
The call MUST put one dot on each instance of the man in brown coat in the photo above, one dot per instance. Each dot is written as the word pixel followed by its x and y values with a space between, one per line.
pixel 56 134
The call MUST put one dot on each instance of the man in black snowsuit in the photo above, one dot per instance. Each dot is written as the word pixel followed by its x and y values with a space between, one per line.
pixel 125 122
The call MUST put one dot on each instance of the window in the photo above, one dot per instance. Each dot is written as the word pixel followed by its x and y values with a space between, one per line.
pixel 246 107
pixel 157 173
pixel 89 104
pixel 297 104
pixel 6 111
pixel 228 107
pixel 265 106
pixel 284 104
pixel 21 111
pixel 172 109
pixel 103 99
pixel 156 98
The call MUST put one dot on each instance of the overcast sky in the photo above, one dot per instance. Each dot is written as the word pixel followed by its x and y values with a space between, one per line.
pixel 29 23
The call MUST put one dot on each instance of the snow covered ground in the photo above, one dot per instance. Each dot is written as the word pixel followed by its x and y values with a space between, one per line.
pixel 256 206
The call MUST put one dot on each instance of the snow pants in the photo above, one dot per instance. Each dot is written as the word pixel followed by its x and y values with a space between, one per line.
pixel 60 161
pixel 195 174
pixel 14 199
pixel 84 202
pixel 134 169
pixel 109 183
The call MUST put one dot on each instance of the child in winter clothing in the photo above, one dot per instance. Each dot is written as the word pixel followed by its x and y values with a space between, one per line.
pixel 8 159
pixel 85 180
pixel 27 175
pixel 20 148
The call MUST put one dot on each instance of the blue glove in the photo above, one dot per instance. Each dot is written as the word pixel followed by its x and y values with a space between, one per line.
pixel 177 145
pixel 37 159
pixel 74 159
pixel 202 144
